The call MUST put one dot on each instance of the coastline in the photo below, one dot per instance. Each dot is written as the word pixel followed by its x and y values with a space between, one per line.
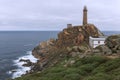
pixel 50 54
pixel 18 43
pixel 22 70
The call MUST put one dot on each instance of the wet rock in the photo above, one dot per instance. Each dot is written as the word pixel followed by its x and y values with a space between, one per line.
pixel 13 71
pixel 28 64
pixel 24 60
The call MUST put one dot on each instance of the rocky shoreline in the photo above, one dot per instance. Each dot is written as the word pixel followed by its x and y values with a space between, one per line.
pixel 24 65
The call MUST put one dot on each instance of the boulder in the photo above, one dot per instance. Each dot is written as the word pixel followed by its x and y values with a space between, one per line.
pixel 113 42
pixel 13 71
pixel 103 50
pixel 28 64
pixel 24 60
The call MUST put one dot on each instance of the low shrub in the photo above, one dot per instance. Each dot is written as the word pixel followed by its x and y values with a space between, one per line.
pixel 99 76
pixel 93 59
pixel 72 76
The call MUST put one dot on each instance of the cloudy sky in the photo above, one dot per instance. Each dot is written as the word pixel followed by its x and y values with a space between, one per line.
pixel 55 14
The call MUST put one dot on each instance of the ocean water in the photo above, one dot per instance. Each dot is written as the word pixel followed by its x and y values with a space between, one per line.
pixel 111 32
pixel 16 45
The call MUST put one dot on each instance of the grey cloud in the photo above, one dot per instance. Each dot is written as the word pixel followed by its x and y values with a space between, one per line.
pixel 55 14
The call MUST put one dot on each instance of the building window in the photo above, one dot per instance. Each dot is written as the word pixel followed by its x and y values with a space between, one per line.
pixel 98 42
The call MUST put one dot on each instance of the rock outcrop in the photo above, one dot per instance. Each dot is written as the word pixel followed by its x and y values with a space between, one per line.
pixel 77 35
pixel 111 47
pixel 72 44
pixel 43 52
pixel 113 43
pixel 27 63
pixel 72 41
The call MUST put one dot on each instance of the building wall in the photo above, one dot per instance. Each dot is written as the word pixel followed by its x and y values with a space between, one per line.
pixel 97 43
pixel 94 42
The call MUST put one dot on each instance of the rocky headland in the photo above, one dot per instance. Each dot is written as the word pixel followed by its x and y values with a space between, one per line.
pixel 72 46
pixel 72 41
pixel 70 56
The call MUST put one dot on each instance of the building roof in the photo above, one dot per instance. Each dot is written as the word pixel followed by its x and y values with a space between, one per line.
pixel 85 8
pixel 99 38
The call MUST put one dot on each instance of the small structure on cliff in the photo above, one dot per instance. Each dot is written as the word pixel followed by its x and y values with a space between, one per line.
pixel 69 25
pixel 94 42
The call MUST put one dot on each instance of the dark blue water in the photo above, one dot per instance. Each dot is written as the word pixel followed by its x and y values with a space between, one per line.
pixel 111 32
pixel 14 44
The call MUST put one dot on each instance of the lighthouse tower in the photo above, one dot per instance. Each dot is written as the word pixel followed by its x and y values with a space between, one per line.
pixel 85 15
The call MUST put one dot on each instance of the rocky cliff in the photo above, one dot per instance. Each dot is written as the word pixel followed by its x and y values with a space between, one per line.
pixel 69 57
pixel 76 35
pixel 76 62
pixel 72 41
pixel 111 47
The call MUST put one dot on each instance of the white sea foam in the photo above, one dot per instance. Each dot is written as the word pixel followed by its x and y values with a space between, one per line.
pixel 22 69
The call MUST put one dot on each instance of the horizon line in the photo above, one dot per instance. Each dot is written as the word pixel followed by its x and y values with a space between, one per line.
pixel 49 30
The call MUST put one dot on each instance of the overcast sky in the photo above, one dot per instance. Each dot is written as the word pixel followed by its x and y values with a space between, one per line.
pixel 55 14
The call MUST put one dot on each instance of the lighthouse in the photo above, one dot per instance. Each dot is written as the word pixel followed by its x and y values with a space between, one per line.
pixel 85 15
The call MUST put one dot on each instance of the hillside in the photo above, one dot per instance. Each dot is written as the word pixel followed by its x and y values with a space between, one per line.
pixel 90 68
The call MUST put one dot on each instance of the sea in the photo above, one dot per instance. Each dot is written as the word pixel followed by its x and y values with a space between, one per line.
pixel 16 45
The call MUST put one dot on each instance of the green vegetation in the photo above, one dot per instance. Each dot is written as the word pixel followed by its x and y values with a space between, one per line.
pixel 89 68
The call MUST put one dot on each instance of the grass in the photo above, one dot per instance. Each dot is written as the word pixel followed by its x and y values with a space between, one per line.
pixel 90 68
